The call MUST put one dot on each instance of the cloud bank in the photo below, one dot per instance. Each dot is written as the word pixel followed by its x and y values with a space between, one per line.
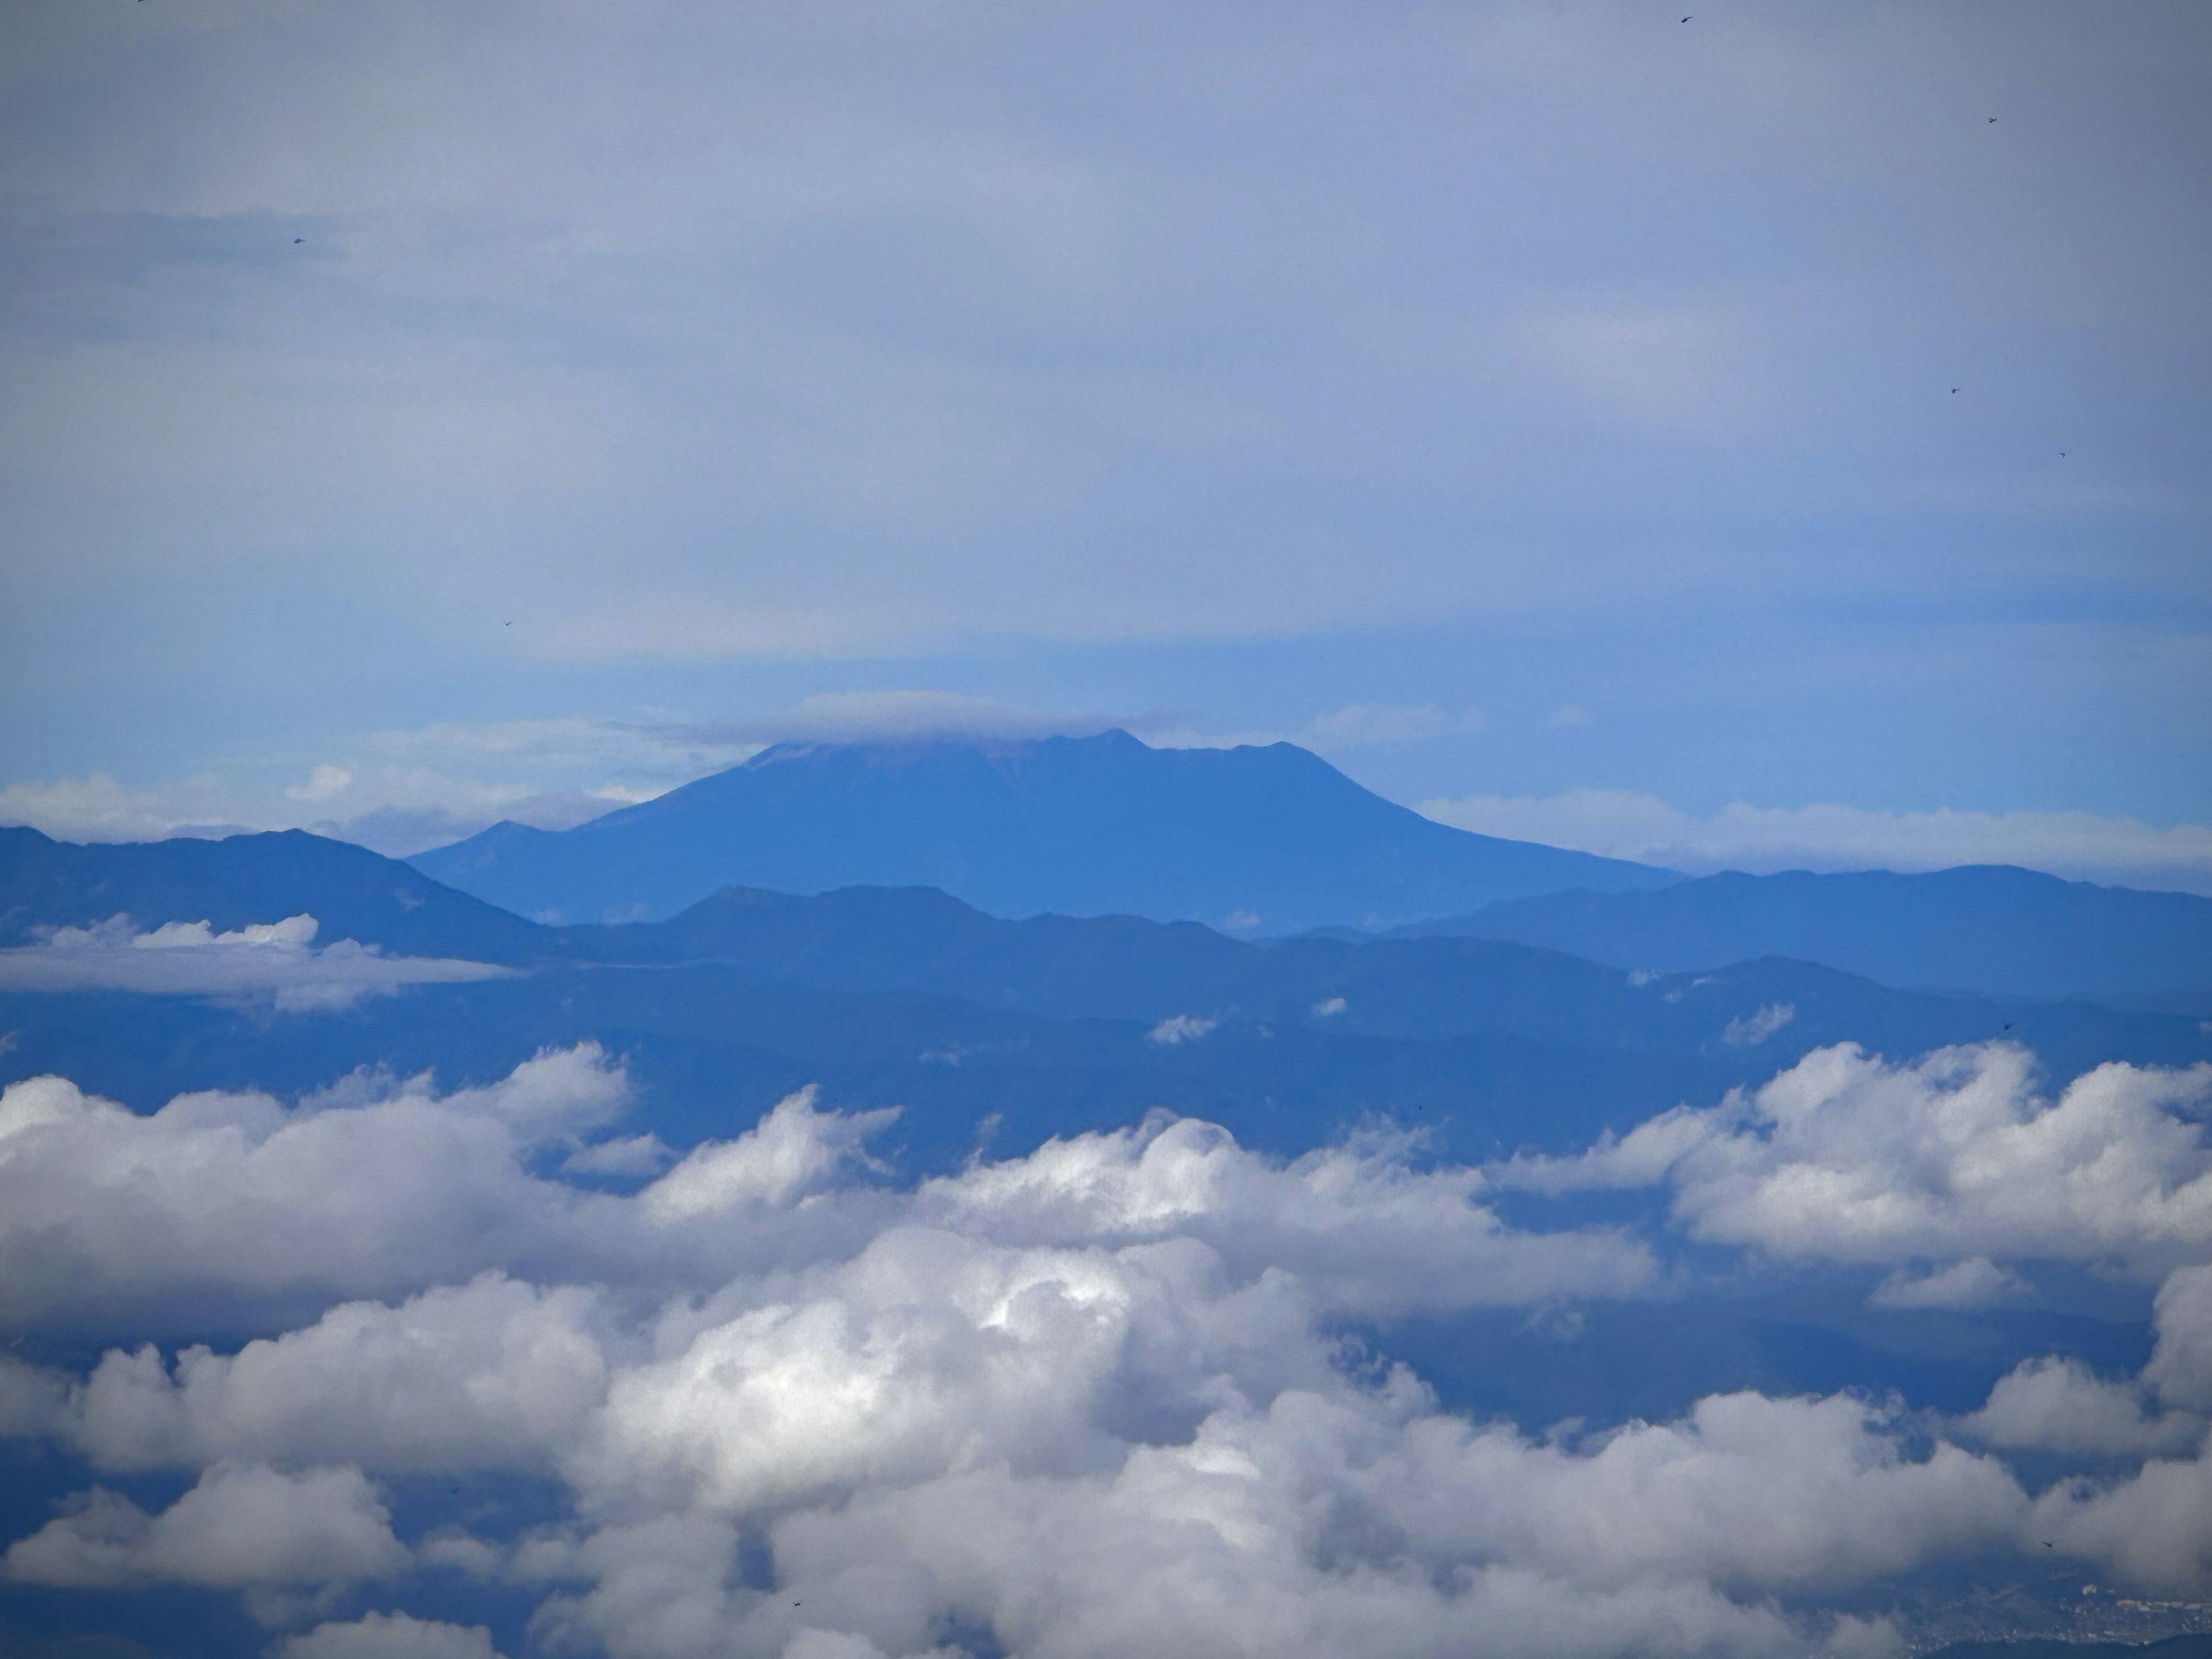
pixel 1089 1400
pixel 274 962
pixel 1955 1158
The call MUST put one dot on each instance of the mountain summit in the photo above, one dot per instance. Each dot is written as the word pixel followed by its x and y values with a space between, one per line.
pixel 1255 840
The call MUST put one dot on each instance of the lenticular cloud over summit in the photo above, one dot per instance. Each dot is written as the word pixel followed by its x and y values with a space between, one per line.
pixel 1103 1398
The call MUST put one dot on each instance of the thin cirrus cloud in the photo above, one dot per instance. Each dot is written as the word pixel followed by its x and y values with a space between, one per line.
pixel 402 791
pixel 1622 823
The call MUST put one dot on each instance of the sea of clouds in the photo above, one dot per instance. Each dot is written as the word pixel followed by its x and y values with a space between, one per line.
pixel 1093 1399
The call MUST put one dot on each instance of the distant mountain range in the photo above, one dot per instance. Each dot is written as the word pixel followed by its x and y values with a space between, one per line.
pixel 1254 841
pixel 1047 1024
pixel 1988 928
pixel 352 892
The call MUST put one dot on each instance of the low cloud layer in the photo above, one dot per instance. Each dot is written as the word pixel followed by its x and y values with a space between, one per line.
pixel 378 1188
pixel 1956 1158
pixel 1946 1169
pixel 1089 1400
pixel 1619 823
pixel 274 963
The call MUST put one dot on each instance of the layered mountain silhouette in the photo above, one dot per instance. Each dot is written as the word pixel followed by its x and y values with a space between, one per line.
pixel 1989 928
pixel 241 880
pixel 1262 840
pixel 1050 1023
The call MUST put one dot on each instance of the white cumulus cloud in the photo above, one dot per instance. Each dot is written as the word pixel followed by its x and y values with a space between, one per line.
pixel 1089 1399
pixel 391 1635
pixel 1846 1157
pixel 240 1526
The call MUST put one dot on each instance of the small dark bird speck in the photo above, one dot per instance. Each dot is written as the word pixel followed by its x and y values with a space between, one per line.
pixel 296 241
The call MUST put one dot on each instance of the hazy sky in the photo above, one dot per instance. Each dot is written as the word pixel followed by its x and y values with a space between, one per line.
pixel 1586 417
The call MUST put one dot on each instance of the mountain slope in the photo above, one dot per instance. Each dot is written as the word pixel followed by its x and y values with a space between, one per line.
pixel 1990 928
pixel 1757 1015
pixel 1270 840
pixel 351 892
pixel 1748 1018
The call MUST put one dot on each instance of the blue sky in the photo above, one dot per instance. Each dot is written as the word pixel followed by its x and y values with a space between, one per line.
pixel 1547 413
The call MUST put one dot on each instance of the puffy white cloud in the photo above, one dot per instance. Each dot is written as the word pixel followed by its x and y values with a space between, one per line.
pixel 274 961
pixel 1960 1160
pixel 1749 1030
pixel 1846 1157
pixel 367 1190
pixel 2180 1367
pixel 391 1635
pixel 1326 1520
pixel 1178 1029
pixel 324 782
pixel 1976 1282
pixel 1362 1231
pixel 377 1188
pixel 95 807
pixel 792 1151
pixel 34 1399
pixel 631 1155
pixel 1088 1398
pixel 240 1526
pixel 2154 1527
pixel 1620 824
pixel 2059 1405
pixel 493 1374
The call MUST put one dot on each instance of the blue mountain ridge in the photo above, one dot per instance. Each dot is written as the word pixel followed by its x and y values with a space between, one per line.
pixel 230 883
pixel 1268 839
pixel 910 996
pixel 1988 928
pixel 927 943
